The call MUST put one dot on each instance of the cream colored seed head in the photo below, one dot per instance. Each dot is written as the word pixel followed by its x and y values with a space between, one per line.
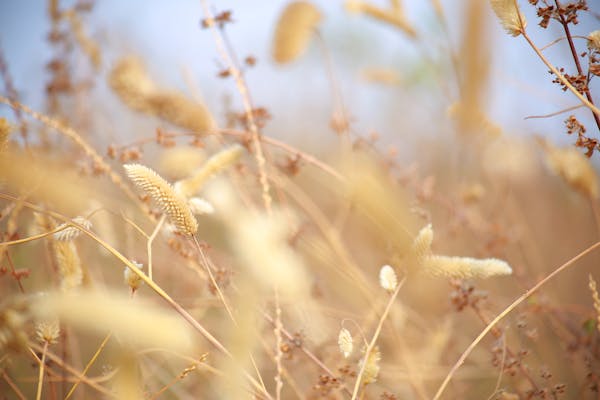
pixel 171 203
pixel 293 30
pixel 71 232
pixel 387 278
pixel 509 15
pixel 464 267
pixel 345 342
pixel 594 40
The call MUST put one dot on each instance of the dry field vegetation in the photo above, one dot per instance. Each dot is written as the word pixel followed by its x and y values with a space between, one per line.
pixel 203 258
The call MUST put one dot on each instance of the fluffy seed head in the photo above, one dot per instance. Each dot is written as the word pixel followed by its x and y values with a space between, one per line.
pixel 594 40
pixel 171 203
pixel 71 232
pixel 387 278
pixel 293 30
pixel 345 342
pixel 574 168
pixel 69 265
pixel 508 13
pixel 464 267
pixel 371 371
pixel 215 164
pixel 421 246
pixel 200 206
pixel 47 331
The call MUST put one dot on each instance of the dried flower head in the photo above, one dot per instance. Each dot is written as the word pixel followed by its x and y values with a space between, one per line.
pixel 345 342
pixel 387 278
pixel 594 40
pixel 171 203
pixel 510 16
pixel 71 232
pixel 215 164
pixel 574 168
pixel 132 279
pixel 293 30
pixel 371 370
pixel 48 331
pixel 200 206
pixel 464 267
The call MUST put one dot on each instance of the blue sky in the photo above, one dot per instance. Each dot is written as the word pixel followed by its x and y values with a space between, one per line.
pixel 167 36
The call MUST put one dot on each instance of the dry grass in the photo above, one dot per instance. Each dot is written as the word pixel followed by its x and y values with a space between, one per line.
pixel 270 270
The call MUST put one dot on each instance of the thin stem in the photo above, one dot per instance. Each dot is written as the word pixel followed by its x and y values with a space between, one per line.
pixel 14 387
pixel 278 344
pixel 555 113
pixel 38 395
pixel 149 243
pixel 89 364
pixel 371 345
pixel 507 311
pixel 560 77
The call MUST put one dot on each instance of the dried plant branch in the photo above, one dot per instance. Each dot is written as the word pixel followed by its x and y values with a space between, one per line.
pixel 240 82
pixel 555 113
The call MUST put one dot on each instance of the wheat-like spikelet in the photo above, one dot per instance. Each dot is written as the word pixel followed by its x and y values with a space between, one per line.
pixel 394 16
pixel 130 81
pixel 293 30
pixel 371 370
pixel 215 164
pixel 594 289
pixel 71 232
pixel 13 321
pixel 421 246
pixel 5 130
pixel 464 267
pixel 574 168
pixel 171 203
pixel 509 15
pixel 594 40
pixel 345 342
pixel 69 265
pixel 387 278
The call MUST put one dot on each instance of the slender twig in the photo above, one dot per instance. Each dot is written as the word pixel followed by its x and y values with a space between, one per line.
pixel 228 57
pixel 555 113
pixel 14 387
pixel 507 311
pixel 278 344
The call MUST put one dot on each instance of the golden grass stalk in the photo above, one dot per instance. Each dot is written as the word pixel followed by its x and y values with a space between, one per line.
pixel 293 31
pixel 464 267
pixel 594 289
pixel 130 81
pixel 69 265
pixel 171 203
pixel 5 130
pixel 225 158
pixel 345 342
pixel 394 17
pixel 387 278
pixel 510 16
pixel 68 232
pixel 574 168
pixel 136 324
